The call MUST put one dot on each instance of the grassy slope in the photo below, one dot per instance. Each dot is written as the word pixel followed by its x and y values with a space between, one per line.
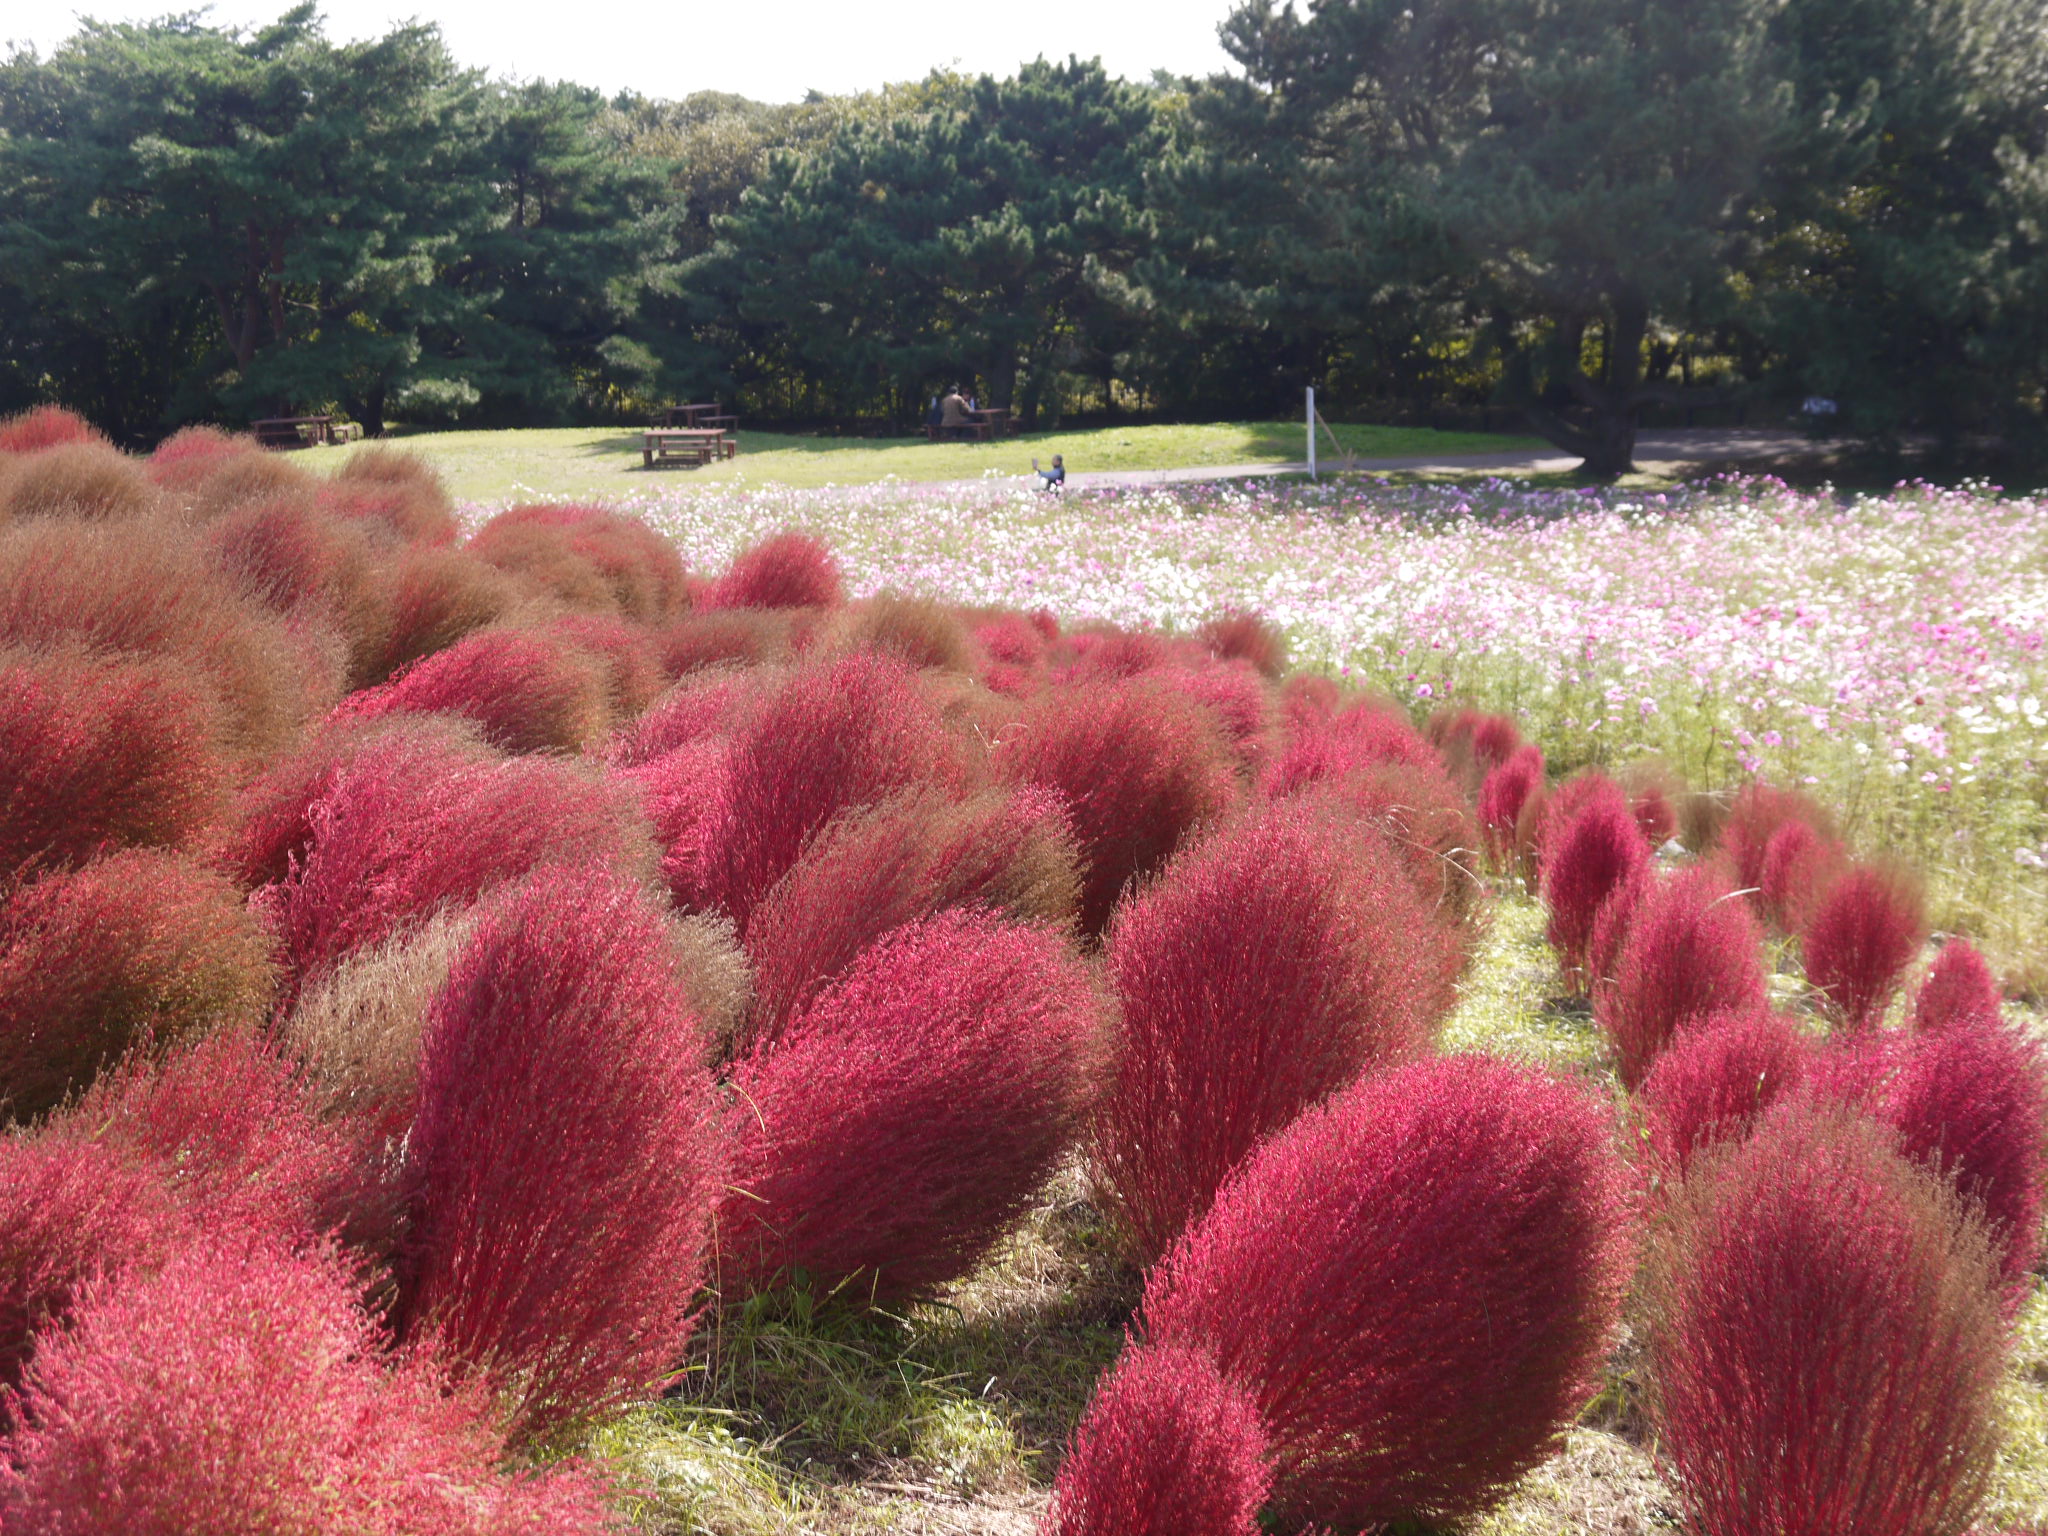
pixel 605 461
pixel 952 1419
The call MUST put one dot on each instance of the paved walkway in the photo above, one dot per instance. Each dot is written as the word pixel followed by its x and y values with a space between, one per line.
pixel 1675 451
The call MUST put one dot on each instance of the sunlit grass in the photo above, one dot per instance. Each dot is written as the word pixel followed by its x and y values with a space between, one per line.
pixel 605 461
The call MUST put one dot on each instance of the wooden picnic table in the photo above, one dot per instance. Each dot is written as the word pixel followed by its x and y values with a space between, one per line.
pixel 685 445
pixel 997 419
pixel 705 413
pixel 293 431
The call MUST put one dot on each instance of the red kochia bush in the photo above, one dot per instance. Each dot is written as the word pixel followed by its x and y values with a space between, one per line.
pixel 1503 793
pixel 1971 1101
pixel 1166 1448
pixel 910 1114
pixel 1860 941
pixel 1692 949
pixel 1583 860
pixel 1758 812
pixel 1800 866
pixel 400 491
pixel 1473 744
pixel 1246 637
pixel 911 856
pixel 1265 969
pixel 190 454
pixel 625 655
pixel 272 822
pixel 227 1125
pixel 710 703
pixel 1959 987
pixel 678 791
pixel 310 567
pixel 46 426
pixel 1358 736
pixel 241 1390
pixel 832 737
pixel 526 692
pixel 400 833
pixel 1415 1285
pixel 563 1162
pixel 72 1210
pixel 1716 1081
pixel 1140 766
pixel 1824 1343
pixel 138 945
pixel 790 570
pixel 101 752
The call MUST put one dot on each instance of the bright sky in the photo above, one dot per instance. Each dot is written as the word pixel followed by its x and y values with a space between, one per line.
pixel 771 50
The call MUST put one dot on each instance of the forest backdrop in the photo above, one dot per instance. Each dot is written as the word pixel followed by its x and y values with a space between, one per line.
pixel 1577 214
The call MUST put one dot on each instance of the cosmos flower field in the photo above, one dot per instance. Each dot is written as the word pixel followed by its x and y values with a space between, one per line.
pixel 1884 650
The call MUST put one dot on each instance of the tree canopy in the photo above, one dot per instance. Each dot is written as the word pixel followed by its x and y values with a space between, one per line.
pixel 1580 213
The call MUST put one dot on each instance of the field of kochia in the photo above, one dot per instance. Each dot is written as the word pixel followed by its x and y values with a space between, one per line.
pixel 1302 1008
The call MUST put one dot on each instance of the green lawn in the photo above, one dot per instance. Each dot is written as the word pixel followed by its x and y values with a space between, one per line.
pixel 492 466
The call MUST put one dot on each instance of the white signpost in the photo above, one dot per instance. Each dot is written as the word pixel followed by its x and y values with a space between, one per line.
pixel 1311 431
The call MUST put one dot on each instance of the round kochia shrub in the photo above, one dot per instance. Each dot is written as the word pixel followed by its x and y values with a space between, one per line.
pixel 1824 1341
pixel 1266 968
pixel 1716 1081
pixel 908 1116
pixel 102 752
pixel 1860 941
pixel 241 1389
pixel 562 1164
pixel 790 570
pixel 1959 987
pixel 913 855
pixel 1503 793
pixel 1691 949
pixel 1166 1448
pixel 403 829
pixel 526 691
pixel 832 738
pixel 1414 1285
pixel 1588 851
pixel 1141 767
pixel 138 945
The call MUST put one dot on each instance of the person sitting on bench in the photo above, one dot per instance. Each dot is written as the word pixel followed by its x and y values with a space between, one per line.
pixel 1054 478
pixel 953 412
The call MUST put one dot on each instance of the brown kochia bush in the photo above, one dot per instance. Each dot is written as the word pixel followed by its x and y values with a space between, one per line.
pixel 562 1166
pixel 908 1117
pixel 1824 1340
pixel 102 752
pixel 437 597
pixel 1414 1286
pixel 1141 767
pixel 1267 967
pixel 1246 637
pixel 358 1029
pixel 915 854
pixel 78 480
pixel 113 589
pixel 590 557
pixel 140 945
pixel 310 567
pixel 915 630
pixel 395 491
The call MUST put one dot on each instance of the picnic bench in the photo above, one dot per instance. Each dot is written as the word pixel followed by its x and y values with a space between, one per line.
pixel 293 431
pixel 685 445
pixel 702 414
pixel 980 425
